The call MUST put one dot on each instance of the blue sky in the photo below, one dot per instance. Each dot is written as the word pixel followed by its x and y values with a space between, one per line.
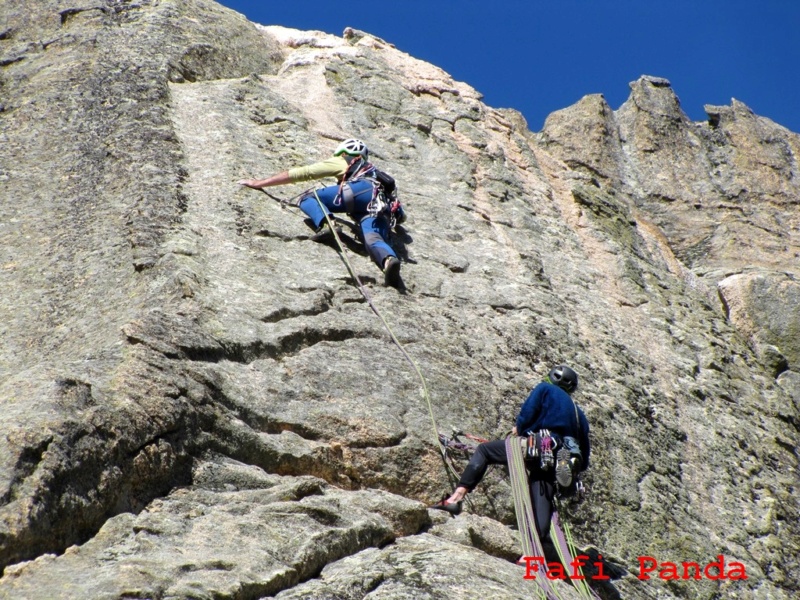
pixel 539 56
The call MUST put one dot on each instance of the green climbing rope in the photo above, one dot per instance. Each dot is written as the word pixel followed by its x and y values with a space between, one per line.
pixel 526 520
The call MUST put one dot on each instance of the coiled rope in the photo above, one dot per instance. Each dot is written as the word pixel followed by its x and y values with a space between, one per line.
pixel 565 546
pixel 526 523
pixel 523 507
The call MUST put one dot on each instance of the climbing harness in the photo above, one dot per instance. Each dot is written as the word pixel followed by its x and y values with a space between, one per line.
pixel 384 191
pixel 541 445
pixel 561 452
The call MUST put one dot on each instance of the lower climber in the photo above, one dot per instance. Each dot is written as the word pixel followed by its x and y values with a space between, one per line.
pixel 557 433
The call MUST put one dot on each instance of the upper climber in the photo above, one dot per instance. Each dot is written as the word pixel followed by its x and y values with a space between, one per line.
pixel 367 194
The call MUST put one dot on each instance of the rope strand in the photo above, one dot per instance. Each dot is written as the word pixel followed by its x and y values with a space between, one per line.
pixel 393 337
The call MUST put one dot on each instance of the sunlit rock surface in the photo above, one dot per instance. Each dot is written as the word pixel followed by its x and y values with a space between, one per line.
pixel 198 403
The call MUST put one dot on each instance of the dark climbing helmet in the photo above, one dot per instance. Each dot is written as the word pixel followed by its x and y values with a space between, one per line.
pixel 352 147
pixel 564 377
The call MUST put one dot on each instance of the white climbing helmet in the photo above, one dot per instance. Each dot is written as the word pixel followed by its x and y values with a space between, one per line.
pixel 352 147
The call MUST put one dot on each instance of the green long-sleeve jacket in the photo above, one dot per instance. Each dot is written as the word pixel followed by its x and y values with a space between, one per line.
pixel 335 166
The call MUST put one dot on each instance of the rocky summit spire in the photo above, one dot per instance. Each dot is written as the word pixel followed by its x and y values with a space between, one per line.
pixel 197 402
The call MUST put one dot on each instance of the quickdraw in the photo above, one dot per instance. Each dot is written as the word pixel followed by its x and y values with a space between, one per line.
pixel 540 445
pixel 289 203
pixel 456 444
pixel 453 444
pixel 546 459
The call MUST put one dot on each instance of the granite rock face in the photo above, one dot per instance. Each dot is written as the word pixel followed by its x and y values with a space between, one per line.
pixel 198 402
pixel 724 193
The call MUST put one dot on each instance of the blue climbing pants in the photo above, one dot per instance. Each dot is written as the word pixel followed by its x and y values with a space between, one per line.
pixel 374 230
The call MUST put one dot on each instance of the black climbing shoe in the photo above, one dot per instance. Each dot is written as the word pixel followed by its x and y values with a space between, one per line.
pixel 454 508
pixel 323 234
pixel 563 468
pixel 391 272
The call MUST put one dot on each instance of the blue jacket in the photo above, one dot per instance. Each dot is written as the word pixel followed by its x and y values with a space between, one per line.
pixel 550 407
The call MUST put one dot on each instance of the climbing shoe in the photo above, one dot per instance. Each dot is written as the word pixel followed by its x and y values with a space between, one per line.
pixel 454 508
pixel 563 468
pixel 391 272
pixel 323 234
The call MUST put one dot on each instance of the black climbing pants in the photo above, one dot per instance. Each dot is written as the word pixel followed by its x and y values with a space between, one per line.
pixel 542 483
